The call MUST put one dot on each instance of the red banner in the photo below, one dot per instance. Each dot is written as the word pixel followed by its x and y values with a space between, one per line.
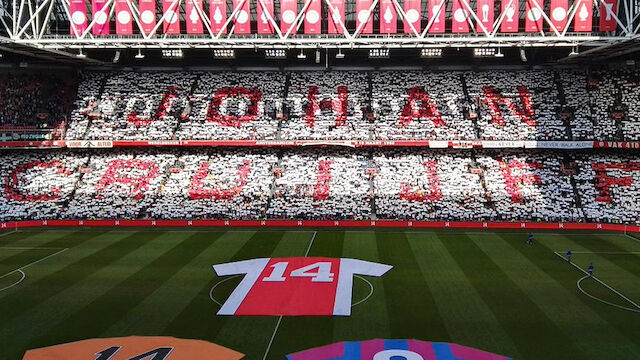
pixel 583 20
pixel 364 18
pixel 218 15
pixel 242 19
pixel 559 13
pixel 485 13
pixel 78 10
pixel 324 223
pixel 533 16
pixel 511 16
pixel 388 17
pixel 608 8
pixel 437 9
pixel 336 17
pixel 171 17
pixel 413 16
pixel 265 16
pixel 124 21
pixel 147 10
pixel 288 14
pixel 100 17
pixel 460 17
pixel 313 18
pixel 194 21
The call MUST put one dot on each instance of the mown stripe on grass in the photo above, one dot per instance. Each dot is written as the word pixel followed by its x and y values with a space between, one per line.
pixel 174 295
pixel 469 320
pixel 533 333
pixel 13 238
pixel 58 295
pixel 196 320
pixel 302 332
pixel 596 338
pixel 410 304
pixel 33 252
pixel 115 303
pixel 369 319
pixel 567 275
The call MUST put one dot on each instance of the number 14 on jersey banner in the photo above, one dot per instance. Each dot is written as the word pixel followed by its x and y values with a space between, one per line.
pixel 295 286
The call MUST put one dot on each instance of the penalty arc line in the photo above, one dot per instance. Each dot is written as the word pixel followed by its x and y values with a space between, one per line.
pixel 602 301
pixel 35 262
pixel 598 280
pixel 15 283
pixel 275 330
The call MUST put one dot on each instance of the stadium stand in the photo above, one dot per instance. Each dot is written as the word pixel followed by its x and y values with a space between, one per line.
pixel 504 185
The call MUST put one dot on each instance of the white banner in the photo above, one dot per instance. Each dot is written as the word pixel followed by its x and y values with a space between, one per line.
pixel 436 144
pixel 502 144
pixel 90 144
pixel 563 144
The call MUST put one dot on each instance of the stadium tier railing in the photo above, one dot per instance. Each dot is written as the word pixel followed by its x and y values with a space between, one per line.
pixel 324 224
pixel 434 144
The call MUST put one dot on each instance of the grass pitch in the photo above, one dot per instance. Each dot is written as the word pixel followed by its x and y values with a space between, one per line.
pixel 486 290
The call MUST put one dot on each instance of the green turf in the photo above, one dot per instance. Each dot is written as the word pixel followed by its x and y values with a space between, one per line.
pixel 485 290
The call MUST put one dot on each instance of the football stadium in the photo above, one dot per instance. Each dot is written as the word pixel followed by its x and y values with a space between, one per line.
pixel 319 179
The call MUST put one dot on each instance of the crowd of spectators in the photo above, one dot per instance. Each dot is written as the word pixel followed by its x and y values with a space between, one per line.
pixel 344 105
pixel 39 101
pixel 320 183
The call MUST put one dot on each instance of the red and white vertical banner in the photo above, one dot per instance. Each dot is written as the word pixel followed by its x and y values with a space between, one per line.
pixel 485 14
pixel 583 20
pixel 336 17
pixel 559 13
pixel 242 19
pixel 264 11
pixel 533 16
pixel 147 10
pixel 608 9
pixel 288 14
pixel 412 16
pixel 194 21
pixel 171 17
pixel 78 11
pixel 388 17
pixel 100 12
pixel 313 17
pixel 459 17
pixel 510 9
pixel 364 18
pixel 124 21
pixel 218 15
pixel 437 10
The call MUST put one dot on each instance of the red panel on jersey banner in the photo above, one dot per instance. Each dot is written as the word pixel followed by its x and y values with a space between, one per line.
pixel 313 17
pixel 559 13
pixel 171 17
pixel 218 15
pixel 124 21
pixel 583 20
pixel 511 17
pixel 294 286
pixel 265 16
pixel 242 18
pixel 388 17
pixel 413 16
pixel 336 16
pixel 608 8
pixel 100 17
pixel 485 13
pixel 78 11
pixel 147 10
pixel 194 21
pixel 533 16
pixel 288 14
pixel 437 9
pixel 460 17
pixel 364 18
